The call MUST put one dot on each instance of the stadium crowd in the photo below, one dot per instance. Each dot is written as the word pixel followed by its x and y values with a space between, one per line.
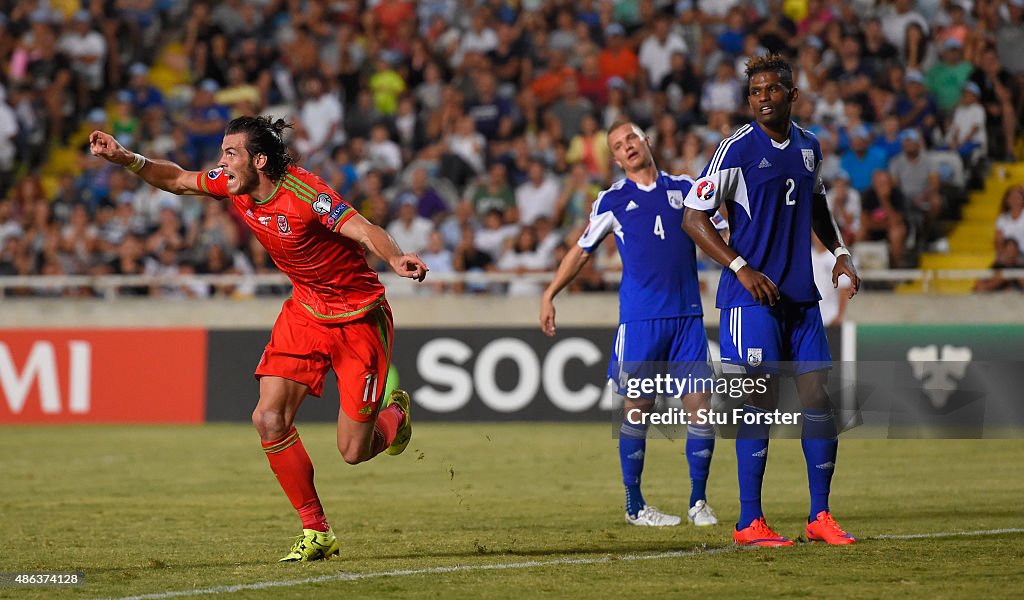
pixel 474 130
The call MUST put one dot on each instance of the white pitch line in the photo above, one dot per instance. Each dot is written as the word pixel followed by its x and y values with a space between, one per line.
pixel 227 589
pixel 918 536
pixel 429 571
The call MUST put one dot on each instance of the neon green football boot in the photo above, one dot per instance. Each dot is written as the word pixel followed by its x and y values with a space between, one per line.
pixel 313 545
pixel 401 398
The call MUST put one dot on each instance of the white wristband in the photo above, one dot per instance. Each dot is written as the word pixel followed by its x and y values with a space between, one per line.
pixel 841 251
pixel 136 165
pixel 737 264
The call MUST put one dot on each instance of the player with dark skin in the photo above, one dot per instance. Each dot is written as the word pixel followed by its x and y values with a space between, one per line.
pixel 772 103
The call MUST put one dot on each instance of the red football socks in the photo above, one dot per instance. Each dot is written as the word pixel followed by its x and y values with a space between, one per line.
pixel 386 428
pixel 294 470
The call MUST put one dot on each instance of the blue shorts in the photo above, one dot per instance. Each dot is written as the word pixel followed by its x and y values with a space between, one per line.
pixel 645 350
pixel 785 338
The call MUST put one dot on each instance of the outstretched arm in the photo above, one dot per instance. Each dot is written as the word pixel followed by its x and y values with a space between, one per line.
pixel 163 174
pixel 383 245
pixel 698 226
pixel 574 260
pixel 825 228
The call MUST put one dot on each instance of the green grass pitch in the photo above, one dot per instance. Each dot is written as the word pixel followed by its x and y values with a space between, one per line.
pixel 152 510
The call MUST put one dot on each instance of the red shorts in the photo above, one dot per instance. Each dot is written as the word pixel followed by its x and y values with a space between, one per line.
pixel 303 349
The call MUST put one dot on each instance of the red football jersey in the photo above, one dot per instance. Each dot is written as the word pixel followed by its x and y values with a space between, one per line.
pixel 298 225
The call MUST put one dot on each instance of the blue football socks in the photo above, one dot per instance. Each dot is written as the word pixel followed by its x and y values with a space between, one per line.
pixel 700 445
pixel 632 447
pixel 820 448
pixel 751 458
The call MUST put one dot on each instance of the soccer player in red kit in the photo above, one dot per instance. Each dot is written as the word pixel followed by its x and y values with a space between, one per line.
pixel 336 318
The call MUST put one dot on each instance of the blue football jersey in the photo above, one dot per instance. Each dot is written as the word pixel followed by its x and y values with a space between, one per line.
pixel 659 261
pixel 769 188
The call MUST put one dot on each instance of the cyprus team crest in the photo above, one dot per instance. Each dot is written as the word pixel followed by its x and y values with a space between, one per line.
pixel 675 199
pixel 808 158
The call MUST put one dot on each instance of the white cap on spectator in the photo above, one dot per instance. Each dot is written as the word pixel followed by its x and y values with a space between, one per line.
pixel 913 76
pixel 952 44
pixel 860 132
pixel 616 82
pixel 97 116
pixel 973 88
pixel 138 69
pixel 209 85
pixel 82 16
pixel 614 29
pixel 910 135
pixel 40 15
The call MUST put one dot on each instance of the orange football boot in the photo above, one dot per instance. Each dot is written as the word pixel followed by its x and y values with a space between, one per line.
pixel 759 534
pixel 825 529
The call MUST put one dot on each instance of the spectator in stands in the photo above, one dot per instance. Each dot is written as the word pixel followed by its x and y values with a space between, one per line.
pixel 320 120
pixel 916 176
pixel 383 154
pixel 723 92
pixel 523 73
pixel 919 53
pixel 853 75
pixel 882 209
pixel 967 134
pixel 862 160
pixel 917 108
pixel 144 95
pixel 521 257
pixel 1010 223
pixel 9 129
pixel 830 109
pixel 573 205
pixel 438 259
pixel 996 86
pixel 895 20
pixel 946 79
pixel 833 298
pixel 491 113
pixel 429 204
pixel 205 126
pixel 617 108
pixel 845 203
pixel 889 139
pixel 617 59
pixel 570 110
pixel 538 195
pixel 409 229
pixel 494 234
pixel 655 55
pixel 590 149
pixel 451 228
pixel 88 53
pixel 492 192
pixel 1007 257
pixel 468 258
